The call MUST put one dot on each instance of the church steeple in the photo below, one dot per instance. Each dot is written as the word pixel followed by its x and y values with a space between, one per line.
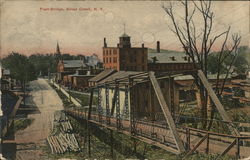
pixel 58 49
pixel 58 53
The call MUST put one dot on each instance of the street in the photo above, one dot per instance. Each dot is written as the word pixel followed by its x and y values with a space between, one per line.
pixel 30 139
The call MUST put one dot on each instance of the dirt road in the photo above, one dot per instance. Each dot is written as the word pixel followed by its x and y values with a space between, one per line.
pixel 33 137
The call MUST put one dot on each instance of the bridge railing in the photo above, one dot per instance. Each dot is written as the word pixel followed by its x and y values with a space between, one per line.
pixel 225 141
pixel 160 133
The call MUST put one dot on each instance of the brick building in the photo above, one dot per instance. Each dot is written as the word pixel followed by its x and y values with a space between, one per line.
pixel 127 58
pixel 124 57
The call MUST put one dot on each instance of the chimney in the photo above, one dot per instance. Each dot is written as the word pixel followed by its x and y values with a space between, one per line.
pixel 118 45
pixel 105 43
pixel 142 45
pixel 158 47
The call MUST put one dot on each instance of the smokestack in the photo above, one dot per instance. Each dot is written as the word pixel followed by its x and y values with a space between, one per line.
pixel 105 43
pixel 142 45
pixel 158 47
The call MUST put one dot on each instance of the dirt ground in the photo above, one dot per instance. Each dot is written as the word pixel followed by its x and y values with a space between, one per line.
pixel 30 140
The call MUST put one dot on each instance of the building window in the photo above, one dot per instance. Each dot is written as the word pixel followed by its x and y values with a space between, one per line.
pixel 110 60
pixel 115 52
pixel 103 60
pixel 142 59
pixel 110 52
pixel 115 59
pixel 107 60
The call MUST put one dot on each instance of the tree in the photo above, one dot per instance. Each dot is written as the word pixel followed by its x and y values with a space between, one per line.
pixel 198 45
pixel 43 63
pixel 20 67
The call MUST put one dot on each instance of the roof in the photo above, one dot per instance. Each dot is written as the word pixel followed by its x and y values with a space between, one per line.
pixel 73 63
pixel 168 57
pixel 117 75
pixel 124 35
pixel 102 75
pixel 78 75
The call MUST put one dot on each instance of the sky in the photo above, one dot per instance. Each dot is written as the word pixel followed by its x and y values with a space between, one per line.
pixel 28 27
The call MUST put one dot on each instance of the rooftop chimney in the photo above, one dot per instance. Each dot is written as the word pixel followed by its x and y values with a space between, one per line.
pixel 105 43
pixel 142 45
pixel 158 47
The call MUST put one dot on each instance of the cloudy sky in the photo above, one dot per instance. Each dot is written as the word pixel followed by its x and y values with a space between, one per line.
pixel 27 27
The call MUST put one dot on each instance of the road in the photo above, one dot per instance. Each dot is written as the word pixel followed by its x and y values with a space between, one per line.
pixel 34 136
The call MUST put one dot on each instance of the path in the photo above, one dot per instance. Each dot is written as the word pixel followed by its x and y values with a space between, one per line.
pixel 47 101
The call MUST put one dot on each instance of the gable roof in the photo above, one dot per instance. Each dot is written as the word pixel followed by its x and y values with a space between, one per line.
pixel 117 75
pixel 74 63
pixel 102 75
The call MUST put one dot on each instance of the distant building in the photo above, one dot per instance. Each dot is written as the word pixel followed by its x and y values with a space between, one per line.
pixel 127 58
pixel 6 81
pixel 124 57
pixel 70 67
pixel 163 60
pixel 67 67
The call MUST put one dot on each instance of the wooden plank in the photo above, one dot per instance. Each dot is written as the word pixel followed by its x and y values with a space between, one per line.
pixel 227 149
pixel 166 112
pixel 217 102
pixel 196 146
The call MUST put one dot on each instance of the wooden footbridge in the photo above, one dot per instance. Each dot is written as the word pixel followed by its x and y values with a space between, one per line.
pixel 167 135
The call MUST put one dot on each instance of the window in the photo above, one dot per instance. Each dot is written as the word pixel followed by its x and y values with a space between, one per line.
pixel 115 51
pixel 107 60
pixel 115 59
pixel 110 52
pixel 110 60
pixel 103 60
pixel 142 59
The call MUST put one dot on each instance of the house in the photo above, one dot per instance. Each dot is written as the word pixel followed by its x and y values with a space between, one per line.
pixel 79 80
pixel 67 67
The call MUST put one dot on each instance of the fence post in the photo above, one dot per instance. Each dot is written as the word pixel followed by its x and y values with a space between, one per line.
pixel 207 149
pixel 238 148
pixel 188 138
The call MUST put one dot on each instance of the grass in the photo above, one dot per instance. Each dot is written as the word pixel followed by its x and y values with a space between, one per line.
pixel 84 99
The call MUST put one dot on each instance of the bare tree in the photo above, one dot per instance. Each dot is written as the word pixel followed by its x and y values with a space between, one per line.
pixel 198 45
